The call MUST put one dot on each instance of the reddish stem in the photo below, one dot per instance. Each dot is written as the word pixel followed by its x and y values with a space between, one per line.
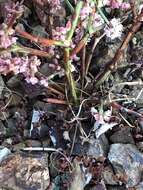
pixel 42 41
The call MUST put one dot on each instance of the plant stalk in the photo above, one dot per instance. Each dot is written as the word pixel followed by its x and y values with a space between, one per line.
pixel 67 68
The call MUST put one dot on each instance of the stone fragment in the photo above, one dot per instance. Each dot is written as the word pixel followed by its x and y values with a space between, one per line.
pixel 25 173
pixel 127 161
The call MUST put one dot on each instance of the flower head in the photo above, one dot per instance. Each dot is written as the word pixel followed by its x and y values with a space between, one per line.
pixel 116 4
pixel 6 38
pixel 114 30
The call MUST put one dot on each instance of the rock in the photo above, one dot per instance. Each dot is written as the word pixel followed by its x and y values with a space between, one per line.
pixel 98 147
pixel 24 173
pixel 11 123
pixel 46 143
pixel 109 177
pixel 33 143
pixel 11 130
pixel 99 186
pixel 26 133
pixel 18 147
pixel 111 187
pixel 39 105
pixel 44 131
pixel 139 186
pixel 122 136
pixel 4 153
pixel 127 161
pixel 14 81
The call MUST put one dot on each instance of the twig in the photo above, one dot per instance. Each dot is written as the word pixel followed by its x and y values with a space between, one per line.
pixel 80 45
pixel 121 108
pixel 83 70
pixel 26 50
pixel 75 21
pixel 119 54
pixel 55 101
pixel 40 40
pixel 55 91
pixel 140 83
pixel 69 6
pixel 128 123
pixel 133 8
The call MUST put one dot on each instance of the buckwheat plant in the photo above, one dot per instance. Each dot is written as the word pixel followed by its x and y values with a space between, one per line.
pixel 86 18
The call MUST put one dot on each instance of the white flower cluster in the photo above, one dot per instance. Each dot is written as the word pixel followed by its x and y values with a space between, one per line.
pixel 114 29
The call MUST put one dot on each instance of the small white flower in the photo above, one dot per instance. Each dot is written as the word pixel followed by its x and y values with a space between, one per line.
pixel 114 30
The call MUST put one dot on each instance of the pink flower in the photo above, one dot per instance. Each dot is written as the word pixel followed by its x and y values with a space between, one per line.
pixel 32 80
pixel 60 32
pixel 86 10
pixel 6 38
pixel 116 4
pixel 125 6
pixel 98 20
pixel 44 82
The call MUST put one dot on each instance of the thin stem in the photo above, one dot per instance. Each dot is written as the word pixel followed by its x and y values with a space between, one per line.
pixel 75 21
pixel 83 70
pixel 67 67
pixel 42 41
pixel 89 58
pixel 26 50
pixel 80 45
pixel 69 6
pixel 102 15
pixel 67 61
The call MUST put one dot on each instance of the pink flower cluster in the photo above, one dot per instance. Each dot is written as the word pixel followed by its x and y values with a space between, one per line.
pixel 12 8
pixel 6 38
pixel 116 4
pixel 87 10
pixel 24 65
pixel 60 32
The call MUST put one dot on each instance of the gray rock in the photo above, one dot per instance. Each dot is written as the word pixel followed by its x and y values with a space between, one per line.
pixel 24 173
pixel 18 147
pixel 44 106
pixel 139 186
pixel 33 143
pixel 4 153
pixel 122 136
pixel 98 147
pixel 46 143
pixel 100 186
pixel 127 161
pixel 11 123
pixel 11 130
pixel 14 81
pixel 44 131
pixel 116 188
